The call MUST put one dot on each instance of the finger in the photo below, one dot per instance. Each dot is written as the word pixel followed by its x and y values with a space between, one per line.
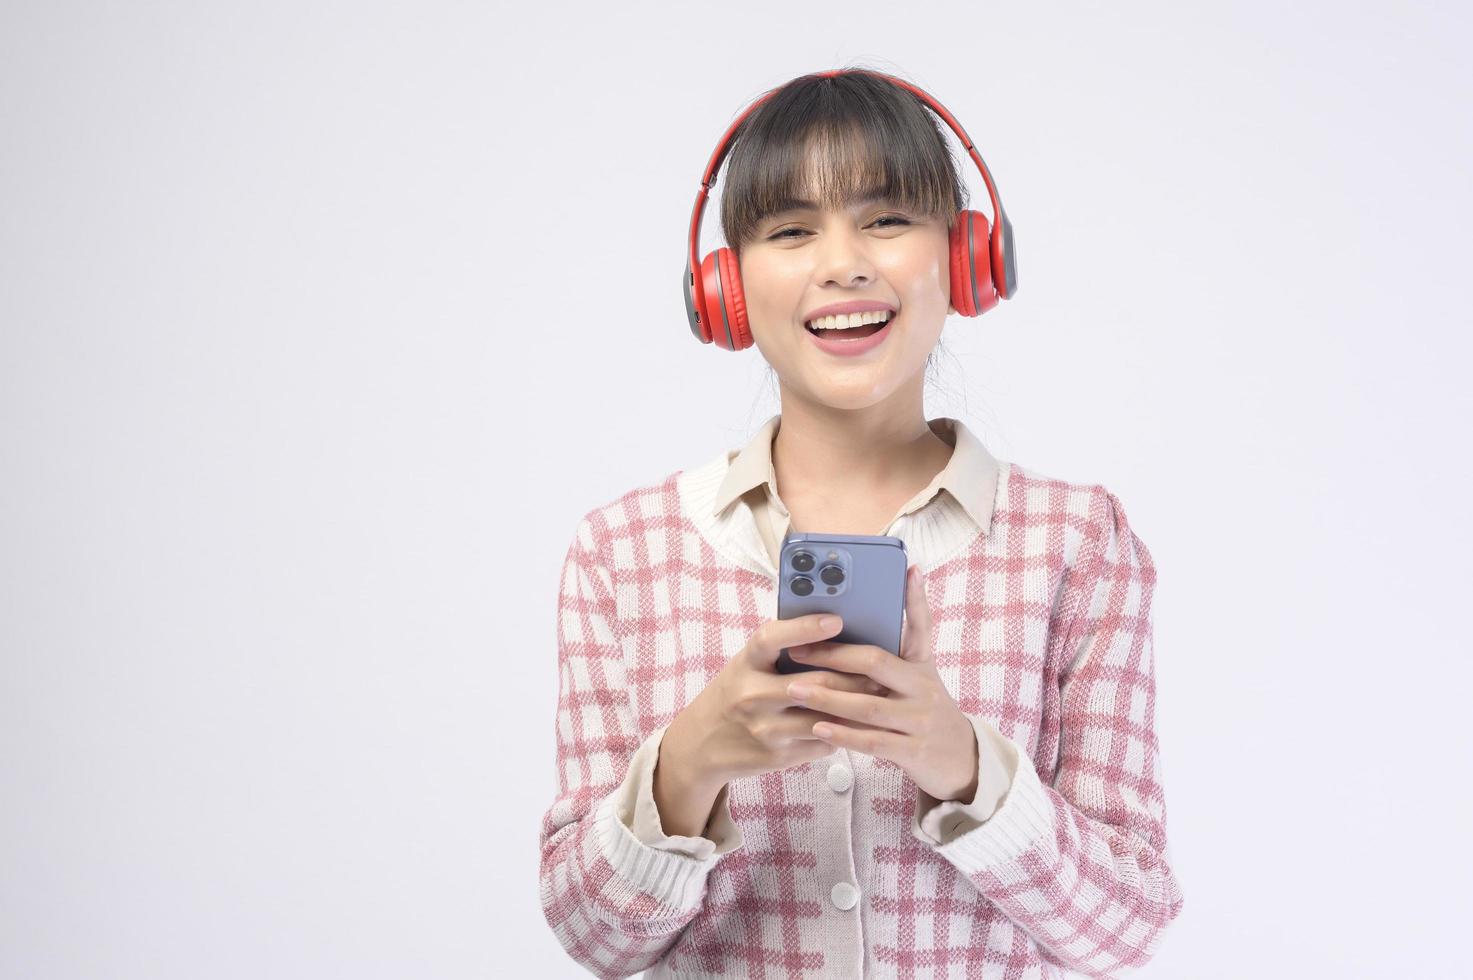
pixel 873 742
pixel 775 635
pixel 866 709
pixel 856 684
pixel 915 636
pixel 802 752
pixel 796 722
pixel 777 690
pixel 860 658
pixel 834 680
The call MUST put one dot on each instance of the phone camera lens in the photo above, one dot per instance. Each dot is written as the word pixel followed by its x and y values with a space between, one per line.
pixel 831 575
pixel 802 585
pixel 802 562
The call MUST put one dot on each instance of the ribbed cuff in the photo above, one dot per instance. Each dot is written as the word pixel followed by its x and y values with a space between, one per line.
pixel 1024 819
pixel 937 822
pixel 667 873
pixel 668 877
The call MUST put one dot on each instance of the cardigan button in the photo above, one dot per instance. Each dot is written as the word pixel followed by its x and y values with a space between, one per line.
pixel 844 895
pixel 840 778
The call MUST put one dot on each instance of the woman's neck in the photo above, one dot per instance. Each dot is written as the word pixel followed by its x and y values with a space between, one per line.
pixel 848 471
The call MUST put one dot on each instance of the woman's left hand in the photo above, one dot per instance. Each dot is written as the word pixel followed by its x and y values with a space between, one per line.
pixel 917 725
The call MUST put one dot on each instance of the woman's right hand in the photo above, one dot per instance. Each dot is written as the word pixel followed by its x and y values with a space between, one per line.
pixel 744 722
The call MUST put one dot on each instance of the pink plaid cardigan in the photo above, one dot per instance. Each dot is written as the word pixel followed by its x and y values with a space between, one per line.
pixel 841 868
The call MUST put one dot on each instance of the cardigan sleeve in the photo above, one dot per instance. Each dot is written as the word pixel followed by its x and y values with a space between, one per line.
pixel 1081 863
pixel 614 902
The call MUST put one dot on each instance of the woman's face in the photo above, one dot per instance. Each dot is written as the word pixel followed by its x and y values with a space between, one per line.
pixel 804 259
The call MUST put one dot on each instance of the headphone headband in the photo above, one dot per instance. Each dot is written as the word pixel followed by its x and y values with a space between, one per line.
pixel 1001 249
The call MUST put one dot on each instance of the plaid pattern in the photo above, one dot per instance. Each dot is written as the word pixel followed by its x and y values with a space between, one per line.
pixel 1041 630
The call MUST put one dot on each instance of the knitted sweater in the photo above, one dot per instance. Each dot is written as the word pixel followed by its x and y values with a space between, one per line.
pixel 843 867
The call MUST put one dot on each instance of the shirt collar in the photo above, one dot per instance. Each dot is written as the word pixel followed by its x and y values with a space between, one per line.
pixel 970 476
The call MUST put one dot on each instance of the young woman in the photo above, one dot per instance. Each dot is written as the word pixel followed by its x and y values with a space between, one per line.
pixel 987 804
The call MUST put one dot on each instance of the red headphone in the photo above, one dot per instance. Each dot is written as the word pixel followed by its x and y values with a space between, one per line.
pixel 976 285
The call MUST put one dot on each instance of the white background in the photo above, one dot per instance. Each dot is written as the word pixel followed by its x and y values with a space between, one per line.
pixel 322 324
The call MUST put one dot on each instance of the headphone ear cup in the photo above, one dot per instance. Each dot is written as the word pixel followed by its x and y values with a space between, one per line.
pixel 972 290
pixel 723 308
pixel 714 326
pixel 733 302
pixel 694 286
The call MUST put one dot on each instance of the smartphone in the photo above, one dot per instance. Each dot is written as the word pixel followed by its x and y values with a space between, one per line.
pixel 861 577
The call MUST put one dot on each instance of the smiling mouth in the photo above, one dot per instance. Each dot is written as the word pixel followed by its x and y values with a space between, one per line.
pixel 849 333
pixel 858 332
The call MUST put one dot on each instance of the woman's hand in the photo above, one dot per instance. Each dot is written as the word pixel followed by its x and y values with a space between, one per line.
pixel 743 722
pixel 917 725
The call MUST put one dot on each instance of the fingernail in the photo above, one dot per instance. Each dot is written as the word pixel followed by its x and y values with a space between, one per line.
pixel 798 690
pixel 828 622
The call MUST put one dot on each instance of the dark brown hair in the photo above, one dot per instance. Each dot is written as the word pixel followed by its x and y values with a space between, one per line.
pixel 869 134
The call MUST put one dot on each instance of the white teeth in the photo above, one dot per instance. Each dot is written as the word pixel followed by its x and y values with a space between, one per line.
pixel 846 321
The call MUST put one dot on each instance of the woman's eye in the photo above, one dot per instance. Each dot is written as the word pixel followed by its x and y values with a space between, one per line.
pixel 800 231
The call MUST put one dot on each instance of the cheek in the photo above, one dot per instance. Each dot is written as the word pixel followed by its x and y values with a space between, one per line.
pixel 916 265
pixel 928 270
pixel 772 292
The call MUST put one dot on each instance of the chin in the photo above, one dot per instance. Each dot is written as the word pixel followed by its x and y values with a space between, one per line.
pixel 862 390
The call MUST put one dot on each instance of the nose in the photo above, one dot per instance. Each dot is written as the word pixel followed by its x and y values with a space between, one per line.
pixel 842 259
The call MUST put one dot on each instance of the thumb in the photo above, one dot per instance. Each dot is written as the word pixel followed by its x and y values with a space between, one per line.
pixel 915 634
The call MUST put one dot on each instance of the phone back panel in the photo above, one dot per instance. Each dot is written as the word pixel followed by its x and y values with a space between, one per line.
pixel 871 597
